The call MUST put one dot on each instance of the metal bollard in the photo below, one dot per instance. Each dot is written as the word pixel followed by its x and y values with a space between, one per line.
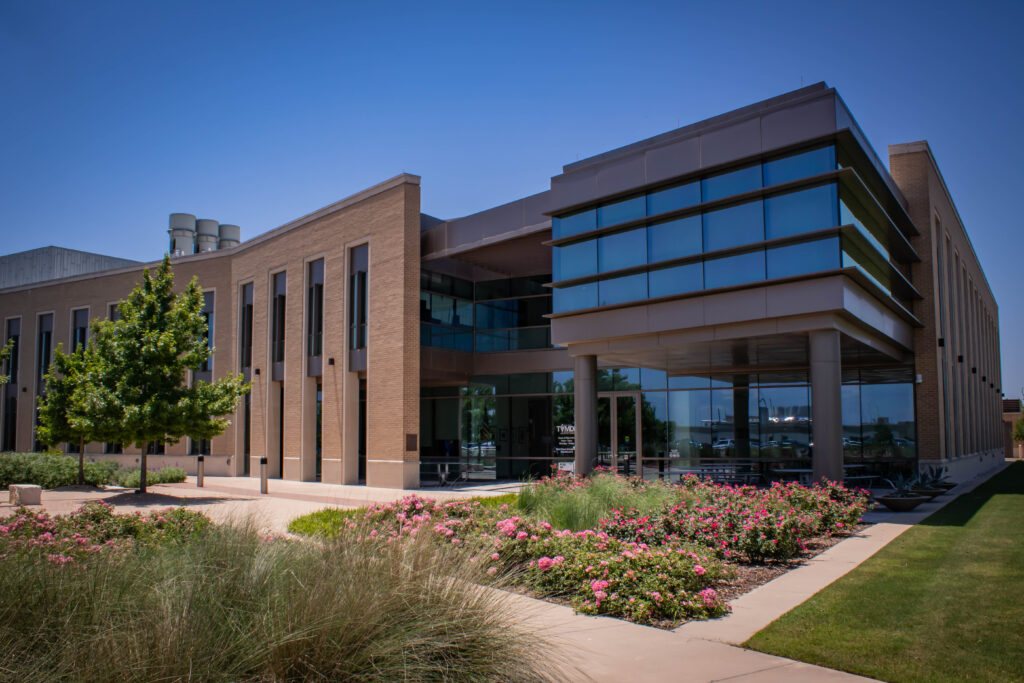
pixel 263 475
pixel 200 470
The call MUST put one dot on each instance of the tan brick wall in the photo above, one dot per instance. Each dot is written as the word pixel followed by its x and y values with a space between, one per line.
pixel 387 218
pixel 974 404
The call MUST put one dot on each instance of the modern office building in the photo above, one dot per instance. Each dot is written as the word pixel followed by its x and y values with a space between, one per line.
pixel 753 296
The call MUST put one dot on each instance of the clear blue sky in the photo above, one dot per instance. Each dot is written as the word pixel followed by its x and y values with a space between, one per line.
pixel 114 114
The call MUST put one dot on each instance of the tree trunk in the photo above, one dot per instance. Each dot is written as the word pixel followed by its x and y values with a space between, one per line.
pixel 81 460
pixel 142 471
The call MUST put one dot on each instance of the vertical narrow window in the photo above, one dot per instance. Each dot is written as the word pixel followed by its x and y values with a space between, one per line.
pixel 10 390
pixel 114 313
pixel 315 313
pixel 44 351
pixel 358 300
pixel 245 337
pixel 278 325
pixel 79 327
pixel 207 365
pixel 319 431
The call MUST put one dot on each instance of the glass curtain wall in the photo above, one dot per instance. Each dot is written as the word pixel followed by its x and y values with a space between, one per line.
pixel 746 428
pixel 487 316
pixel 672 241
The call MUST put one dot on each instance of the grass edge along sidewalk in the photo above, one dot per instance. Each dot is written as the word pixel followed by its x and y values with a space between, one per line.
pixel 943 602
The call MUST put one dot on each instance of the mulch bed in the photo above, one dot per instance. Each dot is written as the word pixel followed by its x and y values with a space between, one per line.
pixel 750 576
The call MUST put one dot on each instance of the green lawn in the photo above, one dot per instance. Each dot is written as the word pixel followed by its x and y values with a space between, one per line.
pixel 943 602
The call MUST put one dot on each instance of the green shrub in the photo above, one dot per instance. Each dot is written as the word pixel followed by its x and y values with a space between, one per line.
pixel 51 470
pixel 229 605
pixel 168 475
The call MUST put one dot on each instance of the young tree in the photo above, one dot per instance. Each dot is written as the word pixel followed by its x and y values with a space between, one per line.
pixel 139 392
pixel 63 408
pixel 5 355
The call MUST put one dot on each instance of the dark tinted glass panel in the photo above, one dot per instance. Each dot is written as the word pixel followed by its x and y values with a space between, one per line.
pixel 528 383
pixel 802 165
pixel 734 270
pixel 622 289
pixel 529 285
pixel 730 183
pixel 574 298
pixel 786 433
pixel 575 260
pixel 574 224
pixel 619 212
pixel 673 198
pixel 673 239
pixel 734 226
pixel 529 338
pixel 622 250
pixel 799 212
pixel 677 280
pixel 803 258
pixel 494 340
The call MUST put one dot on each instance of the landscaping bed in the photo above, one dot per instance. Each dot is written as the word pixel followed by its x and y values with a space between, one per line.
pixel 99 596
pixel 649 552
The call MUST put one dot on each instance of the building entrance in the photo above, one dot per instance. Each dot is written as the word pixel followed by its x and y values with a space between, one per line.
pixel 619 432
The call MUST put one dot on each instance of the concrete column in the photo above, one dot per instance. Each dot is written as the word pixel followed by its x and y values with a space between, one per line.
pixel 584 372
pixel 826 405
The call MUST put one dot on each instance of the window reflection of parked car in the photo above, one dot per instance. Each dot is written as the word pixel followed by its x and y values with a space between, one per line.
pixel 723 444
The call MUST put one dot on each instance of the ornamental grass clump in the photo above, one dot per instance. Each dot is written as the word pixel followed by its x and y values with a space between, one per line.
pixel 230 604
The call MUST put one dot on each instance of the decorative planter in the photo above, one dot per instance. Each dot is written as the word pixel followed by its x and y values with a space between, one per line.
pixel 902 503
pixel 932 493
pixel 945 485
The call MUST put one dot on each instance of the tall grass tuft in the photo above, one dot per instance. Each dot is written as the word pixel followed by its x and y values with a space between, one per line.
pixel 579 505
pixel 229 605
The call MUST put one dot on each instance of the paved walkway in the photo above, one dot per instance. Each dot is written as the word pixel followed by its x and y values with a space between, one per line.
pixel 595 648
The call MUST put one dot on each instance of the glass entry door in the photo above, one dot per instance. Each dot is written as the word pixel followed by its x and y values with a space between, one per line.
pixel 619 446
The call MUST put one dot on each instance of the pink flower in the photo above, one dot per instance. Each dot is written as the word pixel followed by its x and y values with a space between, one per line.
pixel 521 535
pixel 545 563
pixel 699 570
pixel 495 556
pixel 598 585
pixel 491 571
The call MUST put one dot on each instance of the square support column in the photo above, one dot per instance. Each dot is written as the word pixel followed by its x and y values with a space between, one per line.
pixel 584 373
pixel 826 405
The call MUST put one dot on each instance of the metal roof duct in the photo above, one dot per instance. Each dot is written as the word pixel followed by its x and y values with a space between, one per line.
pixel 230 236
pixel 182 229
pixel 207 235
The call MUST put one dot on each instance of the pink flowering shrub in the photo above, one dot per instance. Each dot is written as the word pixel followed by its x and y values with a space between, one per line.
pixel 651 565
pixel 93 528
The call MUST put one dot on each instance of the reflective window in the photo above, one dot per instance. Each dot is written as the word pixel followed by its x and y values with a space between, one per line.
pixel 619 212
pixel 652 379
pixel 689 424
pixel 787 410
pixel 673 198
pixel 622 289
pixel 801 165
pixel 689 382
pixel 574 298
pixel 803 258
pixel 654 423
pixel 676 280
pixel 734 270
pixel 730 183
pixel 575 260
pixel 618 379
pixel 887 421
pixel 799 212
pixel 674 239
pixel 622 250
pixel 734 226
pixel 574 224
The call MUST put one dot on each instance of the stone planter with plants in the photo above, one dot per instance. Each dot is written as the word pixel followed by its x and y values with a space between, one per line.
pixel 903 497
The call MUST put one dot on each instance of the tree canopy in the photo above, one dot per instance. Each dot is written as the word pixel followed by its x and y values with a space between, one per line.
pixel 131 383
pixel 63 409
